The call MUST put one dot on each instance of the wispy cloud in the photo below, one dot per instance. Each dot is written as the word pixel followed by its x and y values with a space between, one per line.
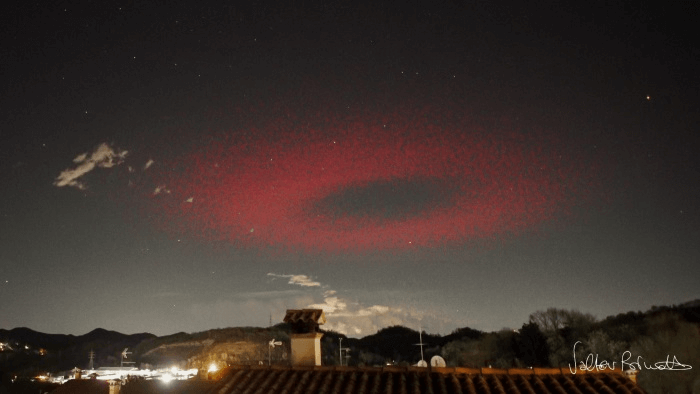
pixel 351 317
pixel 330 305
pixel 301 280
pixel 345 313
pixel 355 319
pixel 104 156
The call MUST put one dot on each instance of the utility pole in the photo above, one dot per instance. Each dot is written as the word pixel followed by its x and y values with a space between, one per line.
pixel 422 362
pixel 124 355
pixel 92 358
pixel 421 344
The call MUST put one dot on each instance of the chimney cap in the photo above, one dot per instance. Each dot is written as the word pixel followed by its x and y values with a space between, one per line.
pixel 315 316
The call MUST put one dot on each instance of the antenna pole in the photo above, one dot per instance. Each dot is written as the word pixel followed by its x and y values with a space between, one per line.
pixel 92 357
pixel 421 363
pixel 421 344
pixel 124 355
pixel 271 344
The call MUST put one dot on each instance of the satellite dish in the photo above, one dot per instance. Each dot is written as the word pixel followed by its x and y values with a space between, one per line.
pixel 422 363
pixel 437 361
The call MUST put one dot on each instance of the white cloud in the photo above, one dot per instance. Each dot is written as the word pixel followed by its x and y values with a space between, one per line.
pixel 80 158
pixel 103 157
pixel 353 318
pixel 330 305
pixel 301 280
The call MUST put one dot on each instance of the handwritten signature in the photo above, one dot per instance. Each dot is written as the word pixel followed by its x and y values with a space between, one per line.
pixel 591 363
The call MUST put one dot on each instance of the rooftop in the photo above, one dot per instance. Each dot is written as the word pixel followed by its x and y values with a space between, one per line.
pixel 305 315
pixel 404 380
pixel 304 320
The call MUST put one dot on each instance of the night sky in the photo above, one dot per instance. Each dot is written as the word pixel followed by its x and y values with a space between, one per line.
pixel 205 164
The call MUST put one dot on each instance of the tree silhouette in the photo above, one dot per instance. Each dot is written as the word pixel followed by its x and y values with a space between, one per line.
pixel 531 346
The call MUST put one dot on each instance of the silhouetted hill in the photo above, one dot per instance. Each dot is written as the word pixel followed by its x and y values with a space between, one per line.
pixel 27 335
pixel 31 351
pixel 462 333
pixel 49 341
pixel 690 311
pixel 400 344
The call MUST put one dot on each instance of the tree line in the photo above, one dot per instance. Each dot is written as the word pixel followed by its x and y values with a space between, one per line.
pixel 551 338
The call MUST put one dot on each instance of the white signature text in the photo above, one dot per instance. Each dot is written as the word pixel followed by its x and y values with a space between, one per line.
pixel 592 363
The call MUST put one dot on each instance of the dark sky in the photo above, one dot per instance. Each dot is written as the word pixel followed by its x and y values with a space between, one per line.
pixel 180 167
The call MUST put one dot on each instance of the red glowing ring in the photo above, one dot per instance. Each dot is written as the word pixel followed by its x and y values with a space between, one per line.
pixel 279 190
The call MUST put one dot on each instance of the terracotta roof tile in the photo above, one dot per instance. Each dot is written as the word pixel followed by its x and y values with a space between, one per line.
pixel 413 380
pixel 80 386
pixel 305 315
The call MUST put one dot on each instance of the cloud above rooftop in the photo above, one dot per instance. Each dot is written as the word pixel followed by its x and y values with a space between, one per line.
pixel 351 317
pixel 301 280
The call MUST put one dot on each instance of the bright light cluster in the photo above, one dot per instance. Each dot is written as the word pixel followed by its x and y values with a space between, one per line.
pixel 165 375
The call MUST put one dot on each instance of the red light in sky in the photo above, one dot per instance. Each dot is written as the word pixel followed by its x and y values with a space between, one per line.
pixel 377 183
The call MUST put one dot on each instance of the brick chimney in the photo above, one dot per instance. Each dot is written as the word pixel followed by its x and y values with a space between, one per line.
pixel 306 340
